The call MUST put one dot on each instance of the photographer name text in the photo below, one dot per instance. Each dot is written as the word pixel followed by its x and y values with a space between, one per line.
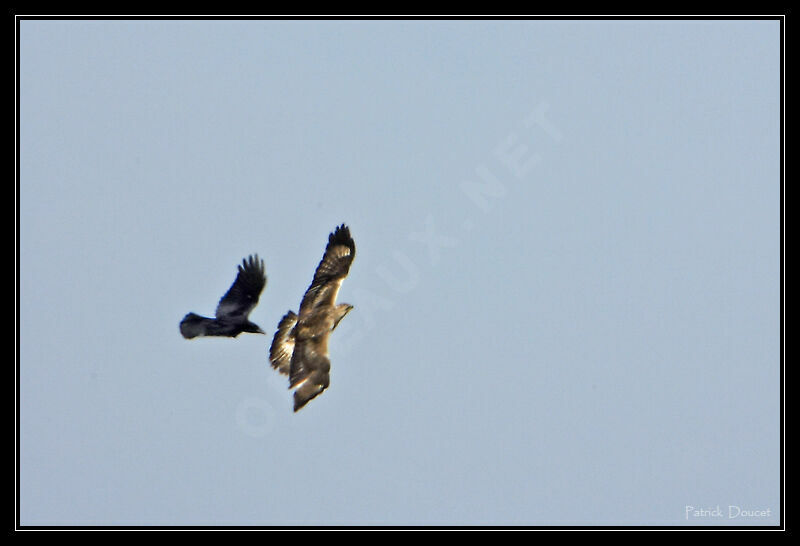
pixel 733 512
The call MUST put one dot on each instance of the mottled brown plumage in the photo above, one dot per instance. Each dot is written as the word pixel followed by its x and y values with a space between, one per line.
pixel 300 346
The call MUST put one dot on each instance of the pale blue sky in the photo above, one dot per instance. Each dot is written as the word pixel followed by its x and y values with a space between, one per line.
pixel 566 284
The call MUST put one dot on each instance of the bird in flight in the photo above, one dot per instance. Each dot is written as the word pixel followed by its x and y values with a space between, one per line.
pixel 300 346
pixel 234 307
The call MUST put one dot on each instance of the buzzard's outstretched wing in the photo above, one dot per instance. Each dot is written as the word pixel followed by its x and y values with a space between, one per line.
pixel 243 295
pixel 330 272
pixel 280 352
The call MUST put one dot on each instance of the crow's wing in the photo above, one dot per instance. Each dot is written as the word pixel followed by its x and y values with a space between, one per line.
pixel 243 295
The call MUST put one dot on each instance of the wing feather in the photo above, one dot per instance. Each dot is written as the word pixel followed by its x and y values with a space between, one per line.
pixel 243 295
pixel 280 352
pixel 331 271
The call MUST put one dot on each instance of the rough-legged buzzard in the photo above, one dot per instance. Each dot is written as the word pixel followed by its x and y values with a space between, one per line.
pixel 300 346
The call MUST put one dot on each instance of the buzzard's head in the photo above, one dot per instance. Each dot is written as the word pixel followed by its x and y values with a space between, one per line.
pixel 341 310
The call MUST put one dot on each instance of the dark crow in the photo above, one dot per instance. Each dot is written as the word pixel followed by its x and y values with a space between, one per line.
pixel 300 346
pixel 234 307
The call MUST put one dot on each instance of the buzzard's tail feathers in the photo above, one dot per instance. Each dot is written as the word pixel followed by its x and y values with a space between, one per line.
pixel 307 391
pixel 280 352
